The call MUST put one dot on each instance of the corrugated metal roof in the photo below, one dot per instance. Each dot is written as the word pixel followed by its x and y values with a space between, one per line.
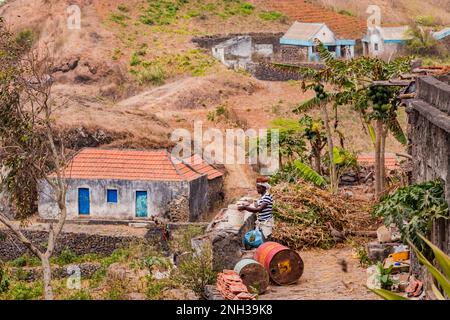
pixel 203 167
pixel 303 31
pixel 115 164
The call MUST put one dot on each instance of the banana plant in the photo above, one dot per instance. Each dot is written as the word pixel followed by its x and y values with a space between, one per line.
pixel 351 82
pixel 443 278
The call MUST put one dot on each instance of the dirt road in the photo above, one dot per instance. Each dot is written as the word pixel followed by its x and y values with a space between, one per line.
pixel 324 279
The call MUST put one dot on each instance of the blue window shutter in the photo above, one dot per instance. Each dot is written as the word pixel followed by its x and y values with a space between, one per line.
pixel 111 196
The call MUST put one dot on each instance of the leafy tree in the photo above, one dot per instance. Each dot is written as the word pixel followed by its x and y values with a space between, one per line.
pixel 291 143
pixel 422 42
pixel 28 143
pixel 413 209
pixel 314 133
pixel 353 82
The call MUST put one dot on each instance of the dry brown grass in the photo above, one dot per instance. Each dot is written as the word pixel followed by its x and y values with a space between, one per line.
pixel 395 11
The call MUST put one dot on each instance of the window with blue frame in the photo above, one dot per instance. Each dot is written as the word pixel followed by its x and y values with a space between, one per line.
pixel 111 196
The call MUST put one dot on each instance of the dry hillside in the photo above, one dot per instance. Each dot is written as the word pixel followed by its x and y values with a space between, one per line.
pixel 133 72
pixel 394 12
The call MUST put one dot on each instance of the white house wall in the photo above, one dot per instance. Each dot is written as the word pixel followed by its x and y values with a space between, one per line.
pixel 160 194
pixel 325 35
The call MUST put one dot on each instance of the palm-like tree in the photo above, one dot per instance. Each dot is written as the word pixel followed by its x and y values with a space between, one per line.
pixel 351 82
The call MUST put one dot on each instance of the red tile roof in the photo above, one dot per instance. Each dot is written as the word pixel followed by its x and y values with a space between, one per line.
pixel 128 165
pixel 203 167
pixel 390 160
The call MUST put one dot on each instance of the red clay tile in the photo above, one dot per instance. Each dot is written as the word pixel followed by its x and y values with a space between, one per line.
pixel 128 165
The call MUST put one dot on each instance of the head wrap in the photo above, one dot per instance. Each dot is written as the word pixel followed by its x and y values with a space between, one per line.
pixel 263 182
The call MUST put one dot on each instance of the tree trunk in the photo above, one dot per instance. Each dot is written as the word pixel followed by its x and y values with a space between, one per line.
pixel 333 174
pixel 382 159
pixel 47 273
pixel 317 160
pixel 378 163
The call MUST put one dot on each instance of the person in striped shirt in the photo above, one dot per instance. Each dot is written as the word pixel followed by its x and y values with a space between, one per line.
pixel 263 208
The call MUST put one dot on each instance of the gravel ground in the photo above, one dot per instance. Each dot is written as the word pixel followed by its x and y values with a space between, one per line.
pixel 324 279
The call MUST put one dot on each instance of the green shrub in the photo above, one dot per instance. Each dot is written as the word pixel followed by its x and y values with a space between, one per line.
pixel 117 289
pixel 152 74
pixel 426 20
pixel 80 295
pixel 26 261
pixel 123 8
pixel 413 209
pixel 155 287
pixel 119 18
pixel 196 272
pixel 346 12
pixel 23 291
pixel 25 38
pixel 135 60
pixel 161 12
pixel 246 9
pixel 4 281
pixel 66 257
pixel 272 16
pixel 119 255
pixel 384 275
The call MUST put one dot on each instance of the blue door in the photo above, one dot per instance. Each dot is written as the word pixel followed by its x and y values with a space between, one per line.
pixel 84 205
pixel 141 204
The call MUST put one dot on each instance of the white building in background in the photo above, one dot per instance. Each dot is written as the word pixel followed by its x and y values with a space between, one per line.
pixel 385 42
pixel 299 42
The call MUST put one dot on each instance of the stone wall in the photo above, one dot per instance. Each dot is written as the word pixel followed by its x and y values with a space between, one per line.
pixel 215 192
pixel 429 135
pixel 294 54
pixel 79 243
pixel 225 236
pixel 268 71
pixel 83 243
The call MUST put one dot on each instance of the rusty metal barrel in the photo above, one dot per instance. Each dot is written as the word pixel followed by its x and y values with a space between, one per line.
pixel 284 266
pixel 253 275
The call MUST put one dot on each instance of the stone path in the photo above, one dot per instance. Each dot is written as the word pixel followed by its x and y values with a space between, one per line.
pixel 324 279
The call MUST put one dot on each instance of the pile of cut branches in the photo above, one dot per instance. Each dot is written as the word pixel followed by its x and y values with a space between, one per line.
pixel 304 214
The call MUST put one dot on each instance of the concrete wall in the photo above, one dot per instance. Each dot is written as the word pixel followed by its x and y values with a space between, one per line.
pixel 160 194
pixel 235 52
pixel 198 197
pixel 429 134
pixel 262 38
pixel 225 236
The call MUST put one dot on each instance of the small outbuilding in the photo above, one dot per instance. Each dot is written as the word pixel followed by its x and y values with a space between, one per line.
pixel 298 43
pixel 128 185
pixel 385 42
pixel 215 179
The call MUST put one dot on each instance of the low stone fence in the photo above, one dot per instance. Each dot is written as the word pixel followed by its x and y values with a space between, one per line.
pixel 268 71
pixel 82 243
pixel 30 274
pixel 225 235
pixel 78 243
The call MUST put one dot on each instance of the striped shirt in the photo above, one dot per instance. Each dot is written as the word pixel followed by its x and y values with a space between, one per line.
pixel 266 213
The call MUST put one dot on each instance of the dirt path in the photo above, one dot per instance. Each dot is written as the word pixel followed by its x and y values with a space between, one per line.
pixel 324 279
